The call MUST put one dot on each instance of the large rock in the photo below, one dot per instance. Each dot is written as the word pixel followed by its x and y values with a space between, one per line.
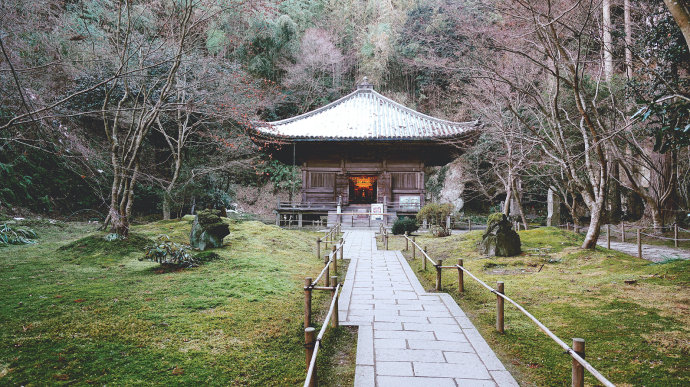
pixel 453 185
pixel 499 239
pixel 208 230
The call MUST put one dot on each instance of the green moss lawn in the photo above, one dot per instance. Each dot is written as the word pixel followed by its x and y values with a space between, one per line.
pixel 636 334
pixel 92 313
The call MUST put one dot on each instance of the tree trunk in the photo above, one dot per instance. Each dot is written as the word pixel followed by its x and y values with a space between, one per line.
pixel 681 13
pixel 596 210
pixel 628 38
pixel 606 24
pixel 614 196
pixel 518 202
pixel 509 191
pixel 166 206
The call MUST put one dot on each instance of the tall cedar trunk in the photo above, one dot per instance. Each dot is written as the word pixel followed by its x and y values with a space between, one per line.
pixel 608 57
pixel 662 186
pixel 628 38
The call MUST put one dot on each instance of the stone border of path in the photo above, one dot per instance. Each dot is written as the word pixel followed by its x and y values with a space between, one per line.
pixel 412 351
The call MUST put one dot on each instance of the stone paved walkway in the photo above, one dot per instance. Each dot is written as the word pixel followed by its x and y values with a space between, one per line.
pixel 408 337
pixel 652 253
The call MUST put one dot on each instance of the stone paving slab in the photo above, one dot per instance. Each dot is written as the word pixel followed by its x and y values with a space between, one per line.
pixel 408 337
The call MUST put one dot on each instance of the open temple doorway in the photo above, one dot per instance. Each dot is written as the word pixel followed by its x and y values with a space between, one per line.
pixel 362 189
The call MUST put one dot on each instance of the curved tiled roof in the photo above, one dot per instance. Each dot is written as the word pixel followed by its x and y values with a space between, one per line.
pixel 365 115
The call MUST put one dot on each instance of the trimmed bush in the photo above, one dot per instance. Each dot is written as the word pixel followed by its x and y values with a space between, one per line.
pixel 404 224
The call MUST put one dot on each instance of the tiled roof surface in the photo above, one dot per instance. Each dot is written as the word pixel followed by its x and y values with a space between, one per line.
pixel 365 115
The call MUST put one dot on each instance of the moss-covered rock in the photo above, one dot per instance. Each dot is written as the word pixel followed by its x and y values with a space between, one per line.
pixel 208 230
pixel 499 239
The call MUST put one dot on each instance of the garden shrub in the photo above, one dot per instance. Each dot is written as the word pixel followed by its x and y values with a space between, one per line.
pixel 169 253
pixel 404 224
pixel 10 235
pixel 436 215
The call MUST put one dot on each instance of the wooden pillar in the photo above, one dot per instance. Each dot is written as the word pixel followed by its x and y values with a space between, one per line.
pixel 622 232
pixel 608 236
pixel 469 224
pixel 424 259
pixel 499 308
pixel 299 220
pixel 335 260
pixel 327 266
pixel 334 283
pixel 309 342
pixel 438 274
pixel 414 249
pixel 461 277
pixel 578 369
pixel 639 244
pixel 277 219
pixel 342 248
pixel 675 235
pixel 318 247
pixel 307 302
pixel 407 242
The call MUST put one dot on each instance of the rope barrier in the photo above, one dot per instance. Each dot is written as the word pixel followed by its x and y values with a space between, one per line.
pixel 317 344
pixel 546 330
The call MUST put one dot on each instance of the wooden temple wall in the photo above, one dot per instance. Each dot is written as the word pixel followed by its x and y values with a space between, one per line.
pixel 324 180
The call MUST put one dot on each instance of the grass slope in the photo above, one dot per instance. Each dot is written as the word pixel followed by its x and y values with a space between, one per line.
pixel 86 312
pixel 635 334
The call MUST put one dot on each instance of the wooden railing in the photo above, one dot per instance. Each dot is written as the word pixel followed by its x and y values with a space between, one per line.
pixel 307 205
pixel 330 236
pixel 577 352
pixel 311 343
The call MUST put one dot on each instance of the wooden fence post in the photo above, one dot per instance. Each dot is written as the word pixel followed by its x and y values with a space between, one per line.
pixel 327 266
pixel 639 244
pixel 578 369
pixel 407 242
pixel 622 232
pixel 318 247
pixel 385 240
pixel 334 284
pixel 335 260
pixel 424 259
pixel 414 249
pixel 469 224
pixel 675 235
pixel 307 302
pixel 309 343
pixel 438 274
pixel 342 248
pixel 461 277
pixel 499 308
pixel 608 236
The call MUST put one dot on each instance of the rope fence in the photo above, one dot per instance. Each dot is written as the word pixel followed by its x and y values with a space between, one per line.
pixel 312 343
pixel 577 351
pixel 623 234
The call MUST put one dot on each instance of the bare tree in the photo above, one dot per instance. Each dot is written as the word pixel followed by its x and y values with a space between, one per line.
pixel 135 99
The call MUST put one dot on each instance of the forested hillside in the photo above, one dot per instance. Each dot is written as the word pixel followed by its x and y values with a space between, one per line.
pixel 143 107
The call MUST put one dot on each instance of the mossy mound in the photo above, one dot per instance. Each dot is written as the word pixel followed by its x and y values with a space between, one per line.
pixel 95 247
